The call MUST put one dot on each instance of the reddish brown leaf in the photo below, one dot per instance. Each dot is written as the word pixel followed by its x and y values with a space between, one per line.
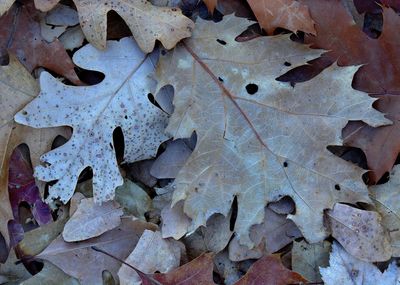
pixel 211 4
pixel 20 35
pixel 288 14
pixel 270 270
pixel 197 272
pixel 379 75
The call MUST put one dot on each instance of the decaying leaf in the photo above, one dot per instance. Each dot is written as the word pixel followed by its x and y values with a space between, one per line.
pixel 152 253
pixel 270 270
pixel 133 199
pixel 50 275
pixel 79 260
pixel 360 233
pixel 91 220
pixel 94 112
pixel 380 59
pixel 198 271
pixel 386 199
pixel 211 4
pixel 18 88
pixel 288 14
pixel 147 23
pixel 344 269
pixel 271 235
pixel 260 139
pixel 175 223
pixel 308 258
pixel 20 34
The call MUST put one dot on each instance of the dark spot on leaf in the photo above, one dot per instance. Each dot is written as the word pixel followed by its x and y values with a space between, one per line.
pixel 337 187
pixel 285 164
pixel 287 63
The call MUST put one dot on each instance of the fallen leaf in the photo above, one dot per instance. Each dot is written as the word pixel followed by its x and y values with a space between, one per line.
pixel 36 240
pixel 91 220
pixel 360 233
pixel 211 5
pixel 120 100
pixel 20 35
pixel 5 5
pixel 308 258
pixel 72 38
pixel 349 45
pixel 147 23
pixel 344 269
pixel 226 268
pixel 18 88
pixel 287 14
pixel 270 270
pixel 22 188
pixel 140 171
pixel 168 164
pixel 133 199
pixel 275 232
pixel 50 275
pixel 152 253
pixel 175 223
pixel 12 273
pixel 198 271
pixel 77 259
pixel 232 93
pixel 386 199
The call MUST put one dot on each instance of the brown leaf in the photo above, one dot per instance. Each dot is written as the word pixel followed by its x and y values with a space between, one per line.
pixel 211 4
pixel 198 271
pixel 360 233
pixel 270 270
pixel 20 34
pixel 82 262
pixel 288 14
pixel 147 23
pixel 380 145
pixel 349 45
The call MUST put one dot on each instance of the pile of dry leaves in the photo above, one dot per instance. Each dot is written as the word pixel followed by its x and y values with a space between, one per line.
pixel 189 142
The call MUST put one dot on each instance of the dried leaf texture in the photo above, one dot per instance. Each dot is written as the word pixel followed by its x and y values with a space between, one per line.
pixel 5 5
pixel 288 14
pixel 270 270
pixel 18 88
pixel 260 139
pixel 349 45
pixel 360 233
pixel 344 269
pixel 94 112
pixel 20 34
pixel 387 201
pixel 147 23
pixel 211 5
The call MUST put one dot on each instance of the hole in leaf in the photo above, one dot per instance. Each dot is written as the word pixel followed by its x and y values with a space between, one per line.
pixel 220 79
pixel 222 42
pixel 337 187
pixel 285 164
pixel 234 214
pixel 287 63
pixel 153 100
pixel 119 145
pixel 251 88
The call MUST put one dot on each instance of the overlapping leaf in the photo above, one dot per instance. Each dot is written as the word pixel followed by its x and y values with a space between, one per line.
pixel 147 23
pixel 94 112
pixel 260 139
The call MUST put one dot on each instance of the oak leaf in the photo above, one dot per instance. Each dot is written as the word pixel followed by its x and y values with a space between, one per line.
pixel 260 139
pixel 18 89
pixel 94 112
pixel 380 60
pixel 147 23
pixel 386 199
pixel 288 14
pixel 345 269
pixel 20 34
pixel 360 232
